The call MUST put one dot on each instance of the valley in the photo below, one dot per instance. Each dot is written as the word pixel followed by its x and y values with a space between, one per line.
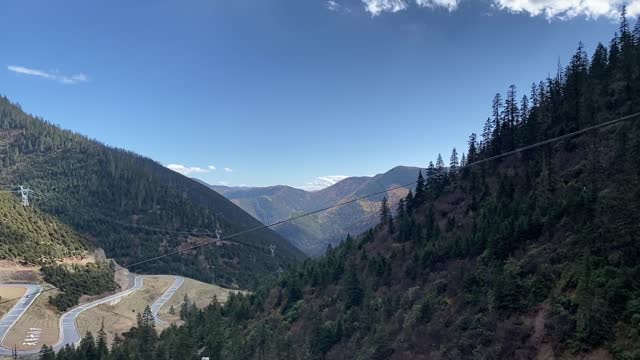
pixel 126 232
pixel 314 234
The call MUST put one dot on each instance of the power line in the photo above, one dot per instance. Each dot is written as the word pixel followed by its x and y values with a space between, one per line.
pixel 340 204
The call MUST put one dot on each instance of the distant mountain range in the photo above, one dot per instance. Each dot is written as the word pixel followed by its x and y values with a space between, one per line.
pixel 313 234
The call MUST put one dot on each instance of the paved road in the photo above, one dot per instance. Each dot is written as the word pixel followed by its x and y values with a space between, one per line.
pixel 155 307
pixel 11 318
pixel 69 333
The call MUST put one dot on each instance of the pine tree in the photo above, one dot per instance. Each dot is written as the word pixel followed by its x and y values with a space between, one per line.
pixel 353 290
pixel 184 307
pixel 535 100
pixel 440 164
pixel 409 202
pixel 599 62
pixel 420 191
pixel 47 353
pixel 497 111
pixel 524 109
pixel 472 153
pixel 453 161
pixel 88 346
pixel 401 211
pixel 487 135
pixel 511 114
pixel 101 346
pixel 384 212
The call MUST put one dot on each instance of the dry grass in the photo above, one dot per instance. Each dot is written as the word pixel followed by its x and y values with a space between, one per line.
pixel 40 315
pixel 11 295
pixel 121 317
pixel 201 293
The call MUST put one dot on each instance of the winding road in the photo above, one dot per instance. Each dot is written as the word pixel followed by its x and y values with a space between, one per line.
pixel 69 333
pixel 157 305
pixel 11 318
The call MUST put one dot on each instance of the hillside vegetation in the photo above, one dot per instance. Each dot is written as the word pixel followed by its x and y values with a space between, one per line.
pixel 28 235
pixel 102 191
pixel 532 256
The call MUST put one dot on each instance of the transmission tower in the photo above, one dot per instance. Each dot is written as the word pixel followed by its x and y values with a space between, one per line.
pixel 218 230
pixel 24 194
pixel 272 248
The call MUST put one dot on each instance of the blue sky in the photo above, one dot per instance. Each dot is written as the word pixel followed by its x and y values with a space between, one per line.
pixel 285 91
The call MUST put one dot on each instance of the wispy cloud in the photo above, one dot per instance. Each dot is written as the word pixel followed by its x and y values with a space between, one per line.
pixel 322 182
pixel 551 9
pixel 447 4
pixel 229 170
pixel 187 170
pixel 211 167
pixel 376 7
pixel 335 6
pixel 64 79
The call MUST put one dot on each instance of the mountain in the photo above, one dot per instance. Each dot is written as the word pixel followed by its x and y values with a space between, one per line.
pixel 133 207
pixel 532 255
pixel 313 234
pixel 30 236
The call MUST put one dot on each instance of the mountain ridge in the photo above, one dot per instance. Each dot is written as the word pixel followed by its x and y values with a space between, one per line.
pixel 97 190
pixel 271 204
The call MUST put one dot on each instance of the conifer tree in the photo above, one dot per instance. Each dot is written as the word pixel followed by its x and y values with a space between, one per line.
pixel 384 212
pixel 101 346
pixel 497 111
pixel 487 135
pixel 88 346
pixel 453 161
pixel 472 153
pixel 524 109
pixel 511 114
pixel 401 211
pixel 420 191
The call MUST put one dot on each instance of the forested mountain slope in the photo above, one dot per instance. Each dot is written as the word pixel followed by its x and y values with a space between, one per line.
pixel 313 234
pixel 28 235
pixel 100 191
pixel 532 256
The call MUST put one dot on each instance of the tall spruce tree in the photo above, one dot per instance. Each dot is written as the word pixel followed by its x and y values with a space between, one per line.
pixel 454 163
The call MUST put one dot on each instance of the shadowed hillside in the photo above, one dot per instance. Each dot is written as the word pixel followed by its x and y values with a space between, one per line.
pixel 102 191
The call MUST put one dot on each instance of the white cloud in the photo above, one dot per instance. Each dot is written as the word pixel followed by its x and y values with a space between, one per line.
pixel 448 4
pixel 567 9
pixel 322 182
pixel 187 170
pixel 64 79
pixel 223 183
pixel 229 170
pixel 335 6
pixel 551 9
pixel 211 167
pixel 375 7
